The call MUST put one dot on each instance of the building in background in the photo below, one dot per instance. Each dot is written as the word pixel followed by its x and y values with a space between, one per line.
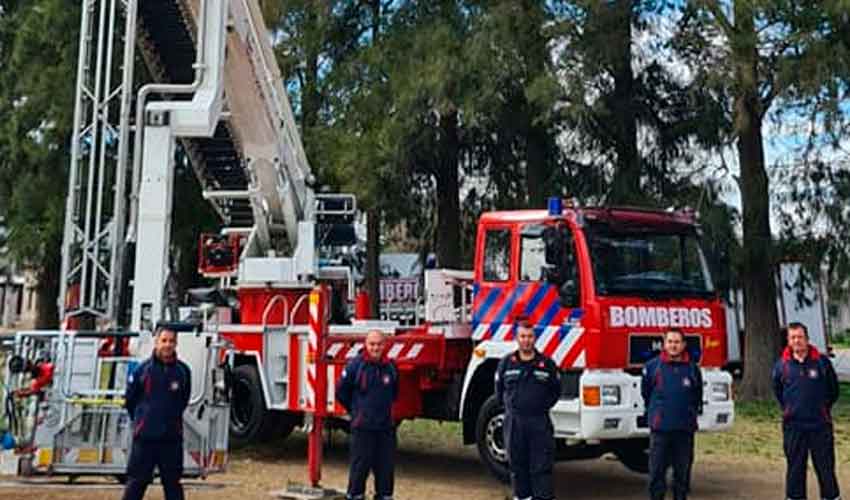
pixel 18 297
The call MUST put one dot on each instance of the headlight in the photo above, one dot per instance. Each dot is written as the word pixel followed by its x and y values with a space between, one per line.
pixel 606 395
pixel 719 391
pixel 610 395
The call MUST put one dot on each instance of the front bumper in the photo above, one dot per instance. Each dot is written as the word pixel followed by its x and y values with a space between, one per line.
pixel 574 420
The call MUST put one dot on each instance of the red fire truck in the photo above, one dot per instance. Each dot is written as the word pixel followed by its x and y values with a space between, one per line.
pixel 600 284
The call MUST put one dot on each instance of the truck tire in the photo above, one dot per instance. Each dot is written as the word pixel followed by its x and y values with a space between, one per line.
pixel 490 438
pixel 250 420
pixel 634 454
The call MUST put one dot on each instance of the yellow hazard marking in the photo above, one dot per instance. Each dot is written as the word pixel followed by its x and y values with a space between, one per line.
pixel 97 401
pixel 45 456
pixel 87 456
pixel 314 298
pixel 105 375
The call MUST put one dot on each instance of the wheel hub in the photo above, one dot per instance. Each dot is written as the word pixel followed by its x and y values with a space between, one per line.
pixel 495 438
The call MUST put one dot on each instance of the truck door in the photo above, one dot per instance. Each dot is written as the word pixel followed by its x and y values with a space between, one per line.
pixel 493 291
pixel 549 277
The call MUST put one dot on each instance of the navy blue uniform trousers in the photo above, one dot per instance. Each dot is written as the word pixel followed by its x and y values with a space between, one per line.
pixel 799 444
pixel 166 456
pixel 666 449
pixel 531 452
pixel 372 451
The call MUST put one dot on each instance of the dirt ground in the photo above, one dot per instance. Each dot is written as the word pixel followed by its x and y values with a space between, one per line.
pixel 435 474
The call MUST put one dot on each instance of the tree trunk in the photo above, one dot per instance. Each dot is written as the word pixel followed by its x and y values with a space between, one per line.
pixel 373 215
pixel 758 277
pixel 47 291
pixel 537 170
pixel 373 264
pixel 448 195
pixel 625 188
pixel 311 97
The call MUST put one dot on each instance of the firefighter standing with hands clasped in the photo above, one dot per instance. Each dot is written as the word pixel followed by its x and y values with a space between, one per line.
pixel 806 387
pixel 672 394
pixel 157 394
pixel 367 389
pixel 527 383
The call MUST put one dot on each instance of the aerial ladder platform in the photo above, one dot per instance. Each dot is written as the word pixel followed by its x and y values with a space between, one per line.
pixel 215 101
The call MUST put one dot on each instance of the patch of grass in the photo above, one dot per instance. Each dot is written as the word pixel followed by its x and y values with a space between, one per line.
pixel 757 432
pixel 439 437
pixel 840 340
pixel 432 435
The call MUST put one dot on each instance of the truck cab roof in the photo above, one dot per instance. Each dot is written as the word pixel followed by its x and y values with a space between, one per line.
pixel 623 219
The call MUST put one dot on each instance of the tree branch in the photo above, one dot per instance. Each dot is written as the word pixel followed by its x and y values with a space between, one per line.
pixel 723 21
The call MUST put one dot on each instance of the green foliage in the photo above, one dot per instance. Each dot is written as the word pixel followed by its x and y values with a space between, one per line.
pixel 781 64
pixel 421 108
pixel 36 108
pixel 636 123
pixel 840 340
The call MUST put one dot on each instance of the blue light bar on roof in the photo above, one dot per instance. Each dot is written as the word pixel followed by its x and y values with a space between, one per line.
pixel 556 206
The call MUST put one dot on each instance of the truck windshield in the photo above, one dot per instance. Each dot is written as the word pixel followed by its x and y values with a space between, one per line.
pixel 649 264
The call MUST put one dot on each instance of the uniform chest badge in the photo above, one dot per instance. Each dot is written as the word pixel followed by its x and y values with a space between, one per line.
pixel 686 382
pixel 174 386
pixel 813 373
pixel 386 380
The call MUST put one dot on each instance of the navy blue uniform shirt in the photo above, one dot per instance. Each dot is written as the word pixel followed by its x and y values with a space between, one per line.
pixel 527 388
pixel 806 391
pixel 157 394
pixel 672 393
pixel 367 390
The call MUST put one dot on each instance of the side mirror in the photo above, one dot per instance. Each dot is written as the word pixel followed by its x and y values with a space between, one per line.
pixel 553 238
pixel 568 293
pixel 555 254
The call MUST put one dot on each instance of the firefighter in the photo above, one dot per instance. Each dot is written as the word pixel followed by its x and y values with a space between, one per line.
pixel 806 386
pixel 158 392
pixel 672 393
pixel 528 386
pixel 367 389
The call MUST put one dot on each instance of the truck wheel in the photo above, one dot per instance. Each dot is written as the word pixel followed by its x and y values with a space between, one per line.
pixel 634 454
pixel 250 421
pixel 489 436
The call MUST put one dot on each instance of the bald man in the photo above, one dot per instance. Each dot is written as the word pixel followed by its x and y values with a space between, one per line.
pixel 367 389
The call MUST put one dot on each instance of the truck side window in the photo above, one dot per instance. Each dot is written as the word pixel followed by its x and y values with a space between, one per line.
pixel 532 251
pixel 497 255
